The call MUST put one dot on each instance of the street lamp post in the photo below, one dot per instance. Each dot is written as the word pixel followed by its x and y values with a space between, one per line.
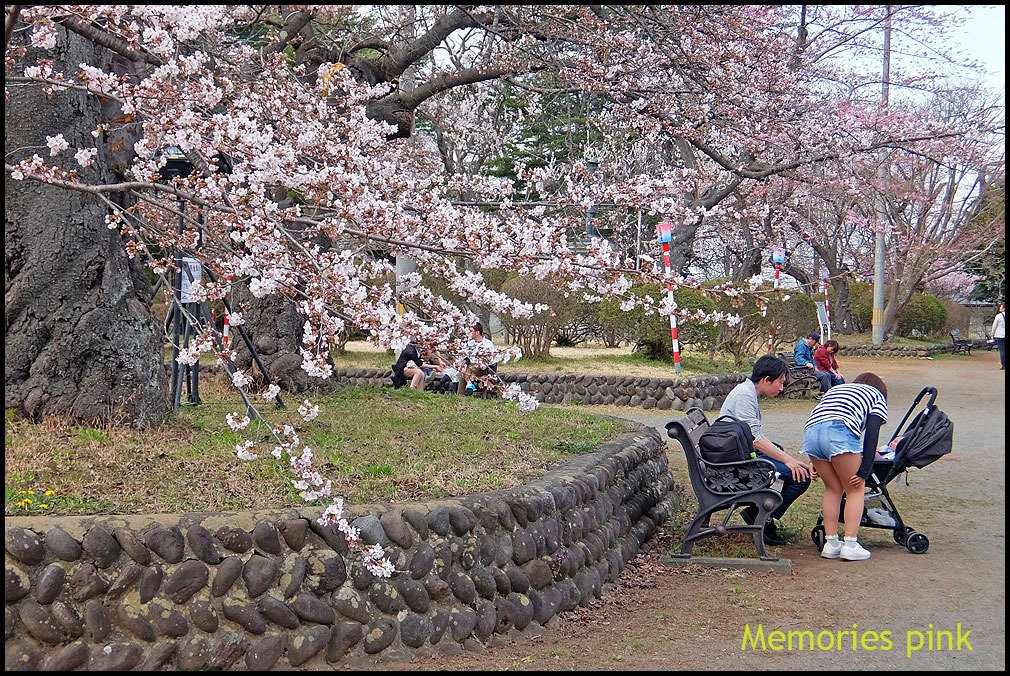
pixel 665 239
pixel 591 167
pixel 778 258
pixel 827 307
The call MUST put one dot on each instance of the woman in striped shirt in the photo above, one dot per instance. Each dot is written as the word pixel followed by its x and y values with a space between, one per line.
pixel 832 440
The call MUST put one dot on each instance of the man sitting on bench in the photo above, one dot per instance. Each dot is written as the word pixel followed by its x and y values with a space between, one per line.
pixel 803 357
pixel 767 379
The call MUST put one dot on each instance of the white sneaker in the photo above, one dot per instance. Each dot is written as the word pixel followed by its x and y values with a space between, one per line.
pixel 831 548
pixel 851 550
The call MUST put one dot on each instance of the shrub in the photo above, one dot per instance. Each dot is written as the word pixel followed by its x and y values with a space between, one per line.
pixel 535 335
pixel 650 332
pixel 923 315
pixel 958 317
pixel 794 317
pixel 861 305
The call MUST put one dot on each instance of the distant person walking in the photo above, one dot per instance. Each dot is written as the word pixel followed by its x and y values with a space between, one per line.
pixel 999 335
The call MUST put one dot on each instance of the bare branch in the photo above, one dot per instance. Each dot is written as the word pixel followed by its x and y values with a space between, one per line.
pixel 11 16
pixel 110 42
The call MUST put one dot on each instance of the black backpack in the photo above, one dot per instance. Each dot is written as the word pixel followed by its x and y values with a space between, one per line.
pixel 727 440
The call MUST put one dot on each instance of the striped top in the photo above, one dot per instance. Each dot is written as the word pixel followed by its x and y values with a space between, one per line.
pixel 850 404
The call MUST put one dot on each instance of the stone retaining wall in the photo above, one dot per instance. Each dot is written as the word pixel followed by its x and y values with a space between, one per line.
pixel 888 351
pixel 706 392
pixel 277 591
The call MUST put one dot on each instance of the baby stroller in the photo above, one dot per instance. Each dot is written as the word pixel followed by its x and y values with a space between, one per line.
pixel 926 439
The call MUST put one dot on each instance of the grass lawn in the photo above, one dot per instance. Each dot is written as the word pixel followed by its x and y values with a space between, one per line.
pixel 376 444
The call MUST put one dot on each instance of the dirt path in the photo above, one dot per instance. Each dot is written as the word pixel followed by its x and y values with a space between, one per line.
pixel 660 618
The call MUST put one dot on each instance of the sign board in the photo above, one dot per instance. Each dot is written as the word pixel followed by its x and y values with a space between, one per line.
pixel 822 321
pixel 191 273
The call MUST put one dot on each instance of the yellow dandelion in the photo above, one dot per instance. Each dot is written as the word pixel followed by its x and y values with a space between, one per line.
pixel 31 492
pixel 50 492
pixel 43 506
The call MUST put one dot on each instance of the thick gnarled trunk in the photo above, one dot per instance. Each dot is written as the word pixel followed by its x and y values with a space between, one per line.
pixel 80 338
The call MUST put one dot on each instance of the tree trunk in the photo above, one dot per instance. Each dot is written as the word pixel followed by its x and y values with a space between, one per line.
pixel 843 311
pixel 80 337
pixel 275 329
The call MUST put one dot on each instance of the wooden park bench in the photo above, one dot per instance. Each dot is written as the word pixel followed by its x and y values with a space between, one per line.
pixel 724 486
pixel 960 345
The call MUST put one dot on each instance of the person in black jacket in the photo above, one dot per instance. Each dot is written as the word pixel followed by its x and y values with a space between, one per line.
pixel 410 368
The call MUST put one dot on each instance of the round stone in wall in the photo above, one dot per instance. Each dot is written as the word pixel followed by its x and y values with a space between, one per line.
pixel 25 545
pixel 62 544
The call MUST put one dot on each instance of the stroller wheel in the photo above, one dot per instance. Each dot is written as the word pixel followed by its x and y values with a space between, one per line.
pixel 817 535
pixel 917 543
pixel 901 535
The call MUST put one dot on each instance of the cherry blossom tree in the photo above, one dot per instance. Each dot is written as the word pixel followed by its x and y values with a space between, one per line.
pixel 314 112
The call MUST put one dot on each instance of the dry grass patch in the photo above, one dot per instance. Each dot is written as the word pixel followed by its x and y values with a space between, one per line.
pixel 376 444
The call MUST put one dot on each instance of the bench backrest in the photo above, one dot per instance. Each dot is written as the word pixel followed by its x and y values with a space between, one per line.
pixel 688 431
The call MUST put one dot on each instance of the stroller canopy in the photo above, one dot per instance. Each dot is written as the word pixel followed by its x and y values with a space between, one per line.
pixel 929 436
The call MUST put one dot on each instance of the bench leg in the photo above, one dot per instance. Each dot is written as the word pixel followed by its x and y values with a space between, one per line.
pixel 700 529
pixel 694 532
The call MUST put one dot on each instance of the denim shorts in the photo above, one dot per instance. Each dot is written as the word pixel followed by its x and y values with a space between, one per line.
pixel 827 439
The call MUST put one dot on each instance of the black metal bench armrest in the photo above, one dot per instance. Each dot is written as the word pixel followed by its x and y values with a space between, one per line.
pixel 744 476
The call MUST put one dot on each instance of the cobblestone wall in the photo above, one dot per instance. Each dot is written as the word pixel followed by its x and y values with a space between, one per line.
pixel 889 351
pixel 274 590
pixel 706 392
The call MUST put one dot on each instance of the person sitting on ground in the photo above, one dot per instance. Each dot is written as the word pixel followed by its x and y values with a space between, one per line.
pixel 767 380
pixel 803 357
pixel 449 382
pixel 831 439
pixel 410 368
pixel 825 362
pixel 472 372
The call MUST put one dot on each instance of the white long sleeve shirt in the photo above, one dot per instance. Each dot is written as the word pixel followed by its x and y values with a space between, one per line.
pixel 999 325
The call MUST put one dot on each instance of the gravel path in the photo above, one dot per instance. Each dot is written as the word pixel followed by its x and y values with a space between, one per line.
pixel 662 619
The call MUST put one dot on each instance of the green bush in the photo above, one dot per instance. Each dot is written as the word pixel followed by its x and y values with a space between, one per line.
pixel 793 318
pixel 651 332
pixel 535 335
pixel 923 315
pixel 861 306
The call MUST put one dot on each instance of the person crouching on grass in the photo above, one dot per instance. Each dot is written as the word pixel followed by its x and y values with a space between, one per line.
pixel 831 439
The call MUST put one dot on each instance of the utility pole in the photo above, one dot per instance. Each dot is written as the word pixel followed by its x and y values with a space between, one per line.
pixel 406 265
pixel 879 253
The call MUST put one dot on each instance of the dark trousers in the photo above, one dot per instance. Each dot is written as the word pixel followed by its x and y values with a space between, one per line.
pixel 1001 346
pixel 832 379
pixel 445 384
pixel 824 378
pixel 791 489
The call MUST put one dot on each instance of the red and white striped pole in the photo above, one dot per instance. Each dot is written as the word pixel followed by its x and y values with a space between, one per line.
pixel 665 238
pixel 827 305
pixel 224 331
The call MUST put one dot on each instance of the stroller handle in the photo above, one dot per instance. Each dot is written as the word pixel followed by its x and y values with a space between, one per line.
pixel 931 391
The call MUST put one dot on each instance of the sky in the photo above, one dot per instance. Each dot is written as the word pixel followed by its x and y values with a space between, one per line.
pixel 983 38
